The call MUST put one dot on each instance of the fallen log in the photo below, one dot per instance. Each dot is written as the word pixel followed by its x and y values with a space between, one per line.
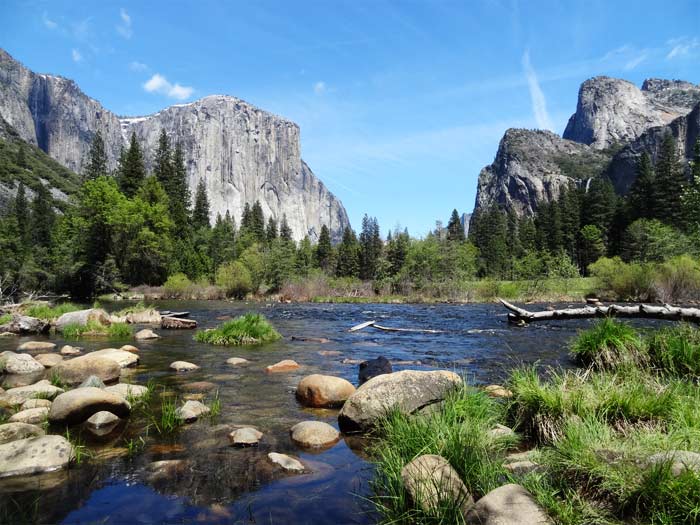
pixel 374 324
pixel 361 326
pixel 664 312
pixel 178 323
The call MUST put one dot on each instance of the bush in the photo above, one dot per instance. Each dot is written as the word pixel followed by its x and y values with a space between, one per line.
pixel 619 280
pixel 235 279
pixel 249 329
pixel 177 283
pixel 609 345
pixel 677 279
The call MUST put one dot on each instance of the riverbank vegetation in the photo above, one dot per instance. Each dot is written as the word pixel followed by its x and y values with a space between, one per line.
pixel 248 329
pixel 616 442
pixel 112 331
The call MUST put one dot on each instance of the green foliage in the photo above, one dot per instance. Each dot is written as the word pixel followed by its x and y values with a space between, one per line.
pixel 248 329
pixel 200 214
pixel 50 313
pixel 609 345
pixel 5 318
pixel 167 421
pixel 676 350
pixel 621 280
pixel 650 240
pixel 97 159
pixel 177 283
pixel 235 279
pixel 114 331
pixel 131 172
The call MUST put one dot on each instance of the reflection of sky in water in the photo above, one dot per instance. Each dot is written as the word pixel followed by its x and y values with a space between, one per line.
pixel 224 485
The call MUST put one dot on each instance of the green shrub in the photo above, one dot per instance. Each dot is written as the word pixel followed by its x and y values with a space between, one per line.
pixel 235 278
pixel 623 281
pixel 177 283
pixel 608 345
pixel 6 318
pixel 93 328
pixel 249 329
pixel 677 279
pixel 50 313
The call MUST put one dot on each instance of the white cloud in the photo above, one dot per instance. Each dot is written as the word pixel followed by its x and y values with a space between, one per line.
pixel 138 67
pixel 681 47
pixel 124 28
pixel 75 54
pixel 320 88
pixel 47 21
pixel 159 84
pixel 539 102
pixel 634 62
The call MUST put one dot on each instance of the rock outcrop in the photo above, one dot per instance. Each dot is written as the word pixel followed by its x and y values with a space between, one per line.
pixel 242 153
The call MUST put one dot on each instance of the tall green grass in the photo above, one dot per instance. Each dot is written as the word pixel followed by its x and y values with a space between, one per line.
pixel 249 329
pixel 608 345
pixel 6 318
pixel 115 331
pixel 51 313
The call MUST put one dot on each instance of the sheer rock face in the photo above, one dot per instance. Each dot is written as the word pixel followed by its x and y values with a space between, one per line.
pixel 611 111
pixel 242 153
pixel 533 166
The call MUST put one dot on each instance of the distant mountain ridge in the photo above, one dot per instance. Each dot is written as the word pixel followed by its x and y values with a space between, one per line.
pixel 241 152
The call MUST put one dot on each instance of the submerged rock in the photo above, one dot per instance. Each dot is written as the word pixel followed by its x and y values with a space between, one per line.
pixel 183 366
pixel 237 361
pixel 13 363
pixel 245 437
pixel 129 348
pixel 192 410
pixel 373 368
pixel 314 434
pixel 14 431
pixel 34 455
pixel 36 345
pixel 70 350
pixel 431 482
pixel 146 334
pixel 407 391
pixel 286 365
pixel 507 505
pixel 199 386
pixel 75 371
pixel 318 390
pixel 286 462
pixel 75 406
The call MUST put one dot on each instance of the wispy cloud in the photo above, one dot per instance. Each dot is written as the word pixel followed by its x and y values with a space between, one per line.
pixel 76 55
pixel 682 47
pixel 124 27
pixel 320 87
pixel 50 24
pixel 159 84
pixel 539 102
pixel 138 67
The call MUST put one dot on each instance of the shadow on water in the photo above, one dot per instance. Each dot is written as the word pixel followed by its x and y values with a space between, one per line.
pixel 195 476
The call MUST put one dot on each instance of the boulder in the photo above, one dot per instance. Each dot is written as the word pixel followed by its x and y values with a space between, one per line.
pixel 34 455
pixel 314 434
pixel 148 316
pixel 501 431
pixel 286 365
pixel 318 390
pixel 14 431
pixel 522 468
pixel 178 323
pixel 373 368
pixel 75 371
pixel 192 410
pixel 245 437
pixel 25 325
pixel 49 360
pixel 43 389
pixel 36 403
pixel 30 416
pixel 13 363
pixel 129 348
pixel 407 391
pixel 122 357
pixel 237 361
pixel 431 482
pixel 127 391
pixel 10 401
pixel 102 419
pixel 497 391
pixel 145 334
pixel 507 505
pixel 35 346
pixel 286 462
pixel 70 350
pixel 183 366
pixel 93 381
pixel 75 406
pixel 82 318
pixel 680 460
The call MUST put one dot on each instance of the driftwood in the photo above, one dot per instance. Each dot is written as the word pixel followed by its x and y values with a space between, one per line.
pixel 665 312
pixel 374 324
pixel 177 323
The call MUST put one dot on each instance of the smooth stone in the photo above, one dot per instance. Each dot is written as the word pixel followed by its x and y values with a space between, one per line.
pixel 14 431
pixel 183 366
pixel 92 381
pixel 36 403
pixel 198 386
pixel 10 401
pixel 124 358
pixel 75 371
pixel 374 368
pixel 192 410
pixel 75 406
pixel 102 419
pixel 49 360
pixel 24 325
pixel 314 434
pixel 321 391
pixel 43 389
pixel 498 391
pixel 82 318
pixel 70 350
pixel 522 468
pixel 127 390
pixel 17 380
pixel 31 416
pixel 431 482
pixel 285 365
pixel 146 334
pixel 286 462
pixel 407 391
pixel 500 431
pixel 166 469
pixel 680 460
pixel 129 348
pixel 245 437
pixel 507 505
pixel 19 363
pixel 36 345
pixel 34 455
pixel 237 361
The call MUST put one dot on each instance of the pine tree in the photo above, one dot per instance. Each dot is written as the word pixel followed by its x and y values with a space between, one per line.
pixel 303 261
pixel 42 217
pixel 222 243
pixel 271 232
pixel 670 182
pixel 348 255
pixel 324 250
pixel 21 212
pixel 257 222
pixel 21 159
pixel 695 164
pixel 570 216
pixel 132 172
pixel 162 162
pixel 97 160
pixel 285 231
pixel 642 194
pixel 600 204
pixel 455 230
pixel 200 214
pixel 179 191
pixel 397 250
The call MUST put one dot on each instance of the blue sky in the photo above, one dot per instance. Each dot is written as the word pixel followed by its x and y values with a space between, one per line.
pixel 400 103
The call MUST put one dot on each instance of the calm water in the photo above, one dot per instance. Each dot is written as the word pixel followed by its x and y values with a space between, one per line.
pixel 221 484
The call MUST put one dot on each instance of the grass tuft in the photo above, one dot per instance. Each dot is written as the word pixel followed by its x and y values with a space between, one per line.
pixel 609 344
pixel 249 329
pixel 50 313
pixel 114 331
